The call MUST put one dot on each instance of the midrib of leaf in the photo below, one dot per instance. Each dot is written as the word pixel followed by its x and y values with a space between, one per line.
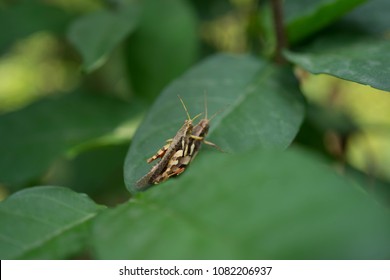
pixel 56 234
pixel 62 230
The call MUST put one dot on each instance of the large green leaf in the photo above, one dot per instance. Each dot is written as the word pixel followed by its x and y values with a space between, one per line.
pixel 255 205
pixel 44 223
pixel 96 34
pixel 364 62
pixel 261 107
pixel 305 17
pixel 26 17
pixel 36 135
pixel 163 46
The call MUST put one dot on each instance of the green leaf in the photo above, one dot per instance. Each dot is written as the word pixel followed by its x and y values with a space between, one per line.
pixel 364 62
pixel 44 223
pixel 96 34
pixel 26 17
pixel 305 17
pixel 261 106
pixel 33 137
pixel 372 17
pixel 255 205
pixel 164 45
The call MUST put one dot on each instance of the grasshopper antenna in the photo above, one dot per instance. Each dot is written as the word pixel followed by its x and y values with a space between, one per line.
pixel 218 112
pixel 205 108
pixel 205 104
pixel 185 109
pixel 184 106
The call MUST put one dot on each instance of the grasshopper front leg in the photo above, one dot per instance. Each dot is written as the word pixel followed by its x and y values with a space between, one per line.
pixel 199 138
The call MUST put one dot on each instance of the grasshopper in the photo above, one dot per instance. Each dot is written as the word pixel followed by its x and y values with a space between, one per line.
pixel 177 143
pixel 182 158
pixel 176 165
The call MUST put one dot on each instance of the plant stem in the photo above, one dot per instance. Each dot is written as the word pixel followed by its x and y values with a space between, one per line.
pixel 281 41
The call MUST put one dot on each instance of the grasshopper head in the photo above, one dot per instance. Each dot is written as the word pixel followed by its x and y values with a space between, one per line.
pixel 202 128
pixel 204 123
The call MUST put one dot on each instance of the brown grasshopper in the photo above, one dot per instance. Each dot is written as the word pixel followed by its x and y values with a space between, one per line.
pixel 182 158
pixel 177 143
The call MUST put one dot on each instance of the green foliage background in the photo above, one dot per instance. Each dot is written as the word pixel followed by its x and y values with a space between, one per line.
pixel 88 92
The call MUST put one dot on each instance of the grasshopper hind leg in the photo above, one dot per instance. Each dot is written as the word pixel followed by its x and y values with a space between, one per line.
pixel 161 152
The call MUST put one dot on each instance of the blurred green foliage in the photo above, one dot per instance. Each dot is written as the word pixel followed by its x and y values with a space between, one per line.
pixel 88 91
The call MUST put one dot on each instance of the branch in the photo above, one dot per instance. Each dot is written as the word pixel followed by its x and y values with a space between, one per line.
pixel 281 41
